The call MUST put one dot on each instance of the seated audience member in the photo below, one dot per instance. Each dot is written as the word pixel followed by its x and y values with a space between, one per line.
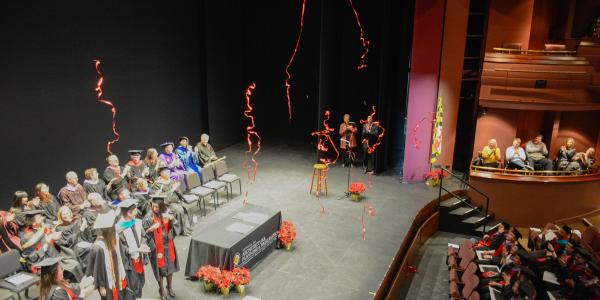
pixel 515 156
pixel 152 162
pixel 170 160
pixel 566 154
pixel 137 166
pixel 142 194
pixel 491 154
pixel 122 195
pixel 46 202
pixel 165 187
pixel 73 195
pixel 115 176
pixel 37 240
pixel 9 232
pixel 20 201
pixel 69 228
pixel 55 283
pixel 583 160
pixel 92 183
pixel 188 157
pixel 537 153
pixel 205 151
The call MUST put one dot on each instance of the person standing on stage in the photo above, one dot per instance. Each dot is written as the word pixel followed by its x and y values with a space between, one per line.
pixel 163 255
pixel 132 241
pixel 369 133
pixel 106 263
pixel 347 139
pixel 166 187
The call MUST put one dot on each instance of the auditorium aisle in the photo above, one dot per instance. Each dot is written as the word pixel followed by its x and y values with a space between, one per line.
pixel 431 279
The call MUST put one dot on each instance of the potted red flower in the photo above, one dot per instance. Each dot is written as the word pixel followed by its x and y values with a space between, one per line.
pixel 210 276
pixel 432 178
pixel 241 278
pixel 224 283
pixel 287 234
pixel 356 189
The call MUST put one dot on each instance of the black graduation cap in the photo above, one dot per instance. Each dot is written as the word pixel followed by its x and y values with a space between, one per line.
pixel 48 264
pixel 567 229
pixel 184 138
pixel 158 199
pixel 135 152
pixel 32 213
pixel 166 144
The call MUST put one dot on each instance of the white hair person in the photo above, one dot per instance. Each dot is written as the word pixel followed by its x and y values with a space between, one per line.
pixel 204 138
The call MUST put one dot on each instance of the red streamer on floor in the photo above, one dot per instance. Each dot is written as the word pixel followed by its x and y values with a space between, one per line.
pixel 287 68
pixel 107 103
pixel 368 209
pixel 251 134
pixel 363 40
pixel 371 148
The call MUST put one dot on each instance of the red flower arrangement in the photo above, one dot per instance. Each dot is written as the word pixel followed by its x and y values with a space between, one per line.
pixel 357 188
pixel 225 280
pixel 434 174
pixel 287 233
pixel 209 274
pixel 241 276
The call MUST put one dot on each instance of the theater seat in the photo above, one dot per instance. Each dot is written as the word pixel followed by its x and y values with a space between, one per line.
pixel 460 278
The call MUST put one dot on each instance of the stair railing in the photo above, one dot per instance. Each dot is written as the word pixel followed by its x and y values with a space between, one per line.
pixel 465 184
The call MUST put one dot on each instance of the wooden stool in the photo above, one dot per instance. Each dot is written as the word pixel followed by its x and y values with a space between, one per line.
pixel 321 171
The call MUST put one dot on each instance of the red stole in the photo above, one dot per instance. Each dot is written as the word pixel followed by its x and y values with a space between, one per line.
pixel 70 293
pixel 158 237
pixel 137 265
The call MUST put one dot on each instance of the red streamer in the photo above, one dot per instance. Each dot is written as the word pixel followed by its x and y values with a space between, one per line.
pixel 415 138
pixel 324 136
pixel 250 133
pixel 363 40
pixel 107 103
pixel 287 71
pixel 371 148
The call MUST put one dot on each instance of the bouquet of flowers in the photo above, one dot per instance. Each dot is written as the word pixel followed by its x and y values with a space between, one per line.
pixel 433 177
pixel 287 234
pixel 210 275
pixel 357 188
pixel 241 276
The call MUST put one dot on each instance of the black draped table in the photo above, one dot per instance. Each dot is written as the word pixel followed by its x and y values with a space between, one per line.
pixel 240 239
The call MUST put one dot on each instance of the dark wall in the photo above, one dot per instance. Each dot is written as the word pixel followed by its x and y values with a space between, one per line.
pixel 180 68
pixel 51 122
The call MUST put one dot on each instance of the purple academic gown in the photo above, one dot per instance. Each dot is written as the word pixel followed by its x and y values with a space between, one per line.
pixel 177 168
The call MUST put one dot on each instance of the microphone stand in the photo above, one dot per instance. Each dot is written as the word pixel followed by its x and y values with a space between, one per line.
pixel 349 154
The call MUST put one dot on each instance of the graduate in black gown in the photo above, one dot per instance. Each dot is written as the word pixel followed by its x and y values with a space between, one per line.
pixel 54 285
pixel 115 176
pixel 37 239
pixel 46 202
pixel 132 239
pixel 105 261
pixel 163 254
pixel 142 193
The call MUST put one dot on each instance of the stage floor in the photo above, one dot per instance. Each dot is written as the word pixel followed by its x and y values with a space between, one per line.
pixel 330 260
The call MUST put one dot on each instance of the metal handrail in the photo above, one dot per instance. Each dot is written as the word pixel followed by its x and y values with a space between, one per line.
pixel 532 172
pixel 466 183
pixel 510 50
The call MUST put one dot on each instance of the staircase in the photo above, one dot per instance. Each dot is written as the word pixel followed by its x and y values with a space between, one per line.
pixel 459 214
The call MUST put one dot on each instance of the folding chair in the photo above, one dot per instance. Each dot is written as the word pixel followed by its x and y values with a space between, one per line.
pixel 11 265
pixel 209 181
pixel 195 188
pixel 222 174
